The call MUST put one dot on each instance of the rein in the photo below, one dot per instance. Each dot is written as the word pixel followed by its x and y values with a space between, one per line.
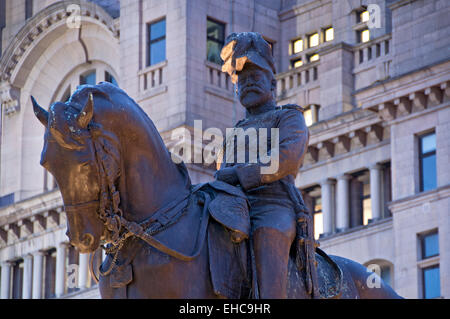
pixel 112 217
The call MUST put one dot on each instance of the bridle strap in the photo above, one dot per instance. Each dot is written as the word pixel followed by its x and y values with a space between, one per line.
pixel 81 205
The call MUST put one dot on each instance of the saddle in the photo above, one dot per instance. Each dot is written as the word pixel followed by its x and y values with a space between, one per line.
pixel 228 252
pixel 230 256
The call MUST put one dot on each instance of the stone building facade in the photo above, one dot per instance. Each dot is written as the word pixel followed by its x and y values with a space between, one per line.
pixel 372 76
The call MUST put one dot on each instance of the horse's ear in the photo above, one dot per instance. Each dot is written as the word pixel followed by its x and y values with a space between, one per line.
pixel 40 113
pixel 86 114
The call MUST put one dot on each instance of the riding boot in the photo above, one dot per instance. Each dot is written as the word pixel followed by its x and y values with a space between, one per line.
pixel 271 250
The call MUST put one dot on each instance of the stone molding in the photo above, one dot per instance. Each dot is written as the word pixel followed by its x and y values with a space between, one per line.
pixel 53 15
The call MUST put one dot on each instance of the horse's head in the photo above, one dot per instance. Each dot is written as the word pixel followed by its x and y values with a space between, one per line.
pixel 69 155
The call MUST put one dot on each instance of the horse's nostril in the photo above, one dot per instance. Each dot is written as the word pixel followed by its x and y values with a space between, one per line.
pixel 87 240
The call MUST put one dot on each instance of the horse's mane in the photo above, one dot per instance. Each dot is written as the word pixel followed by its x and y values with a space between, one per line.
pixel 108 141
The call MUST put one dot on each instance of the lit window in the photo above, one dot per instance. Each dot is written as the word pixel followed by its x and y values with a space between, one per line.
pixel 307 114
pixel 431 282
pixel 88 78
pixel 364 16
pixel 314 57
pixel 367 203
pixel 297 63
pixel 156 42
pixel 427 161
pixel 318 217
pixel 365 36
pixel 298 46
pixel 215 35
pixel 329 34
pixel 313 40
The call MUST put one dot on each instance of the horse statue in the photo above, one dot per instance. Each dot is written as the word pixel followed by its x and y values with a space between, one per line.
pixel 120 186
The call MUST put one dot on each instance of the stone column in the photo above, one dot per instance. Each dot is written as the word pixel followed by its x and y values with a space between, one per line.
pixel 27 276
pixel 375 191
pixel 343 203
pixel 5 280
pixel 38 264
pixel 327 205
pixel 83 271
pixel 60 277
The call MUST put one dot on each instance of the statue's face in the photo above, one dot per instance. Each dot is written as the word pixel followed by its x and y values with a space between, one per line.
pixel 255 86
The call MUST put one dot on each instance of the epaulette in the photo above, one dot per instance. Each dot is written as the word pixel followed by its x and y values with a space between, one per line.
pixel 292 107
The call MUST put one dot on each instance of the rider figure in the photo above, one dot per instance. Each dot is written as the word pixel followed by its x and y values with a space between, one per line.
pixel 248 60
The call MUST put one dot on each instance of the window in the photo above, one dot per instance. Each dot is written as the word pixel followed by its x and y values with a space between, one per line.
pixel 363 36
pixel 313 200
pixel 329 34
pixel 17 279
pixel 386 274
pixel 362 15
pixel 427 161
pixel 310 114
pixel 360 203
pixel 88 78
pixel 50 273
pixel 109 78
pixel 313 57
pixel 2 21
pixel 297 46
pixel 72 258
pixel 318 217
pixel 307 114
pixel 387 188
pixel 156 42
pixel 297 63
pixel 431 282
pixel 313 40
pixel 366 201
pixel 429 247
pixel 28 9
pixel 7 200
pixel 215 37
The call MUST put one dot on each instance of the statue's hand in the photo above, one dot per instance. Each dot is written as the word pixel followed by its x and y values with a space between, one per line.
pixel 227 175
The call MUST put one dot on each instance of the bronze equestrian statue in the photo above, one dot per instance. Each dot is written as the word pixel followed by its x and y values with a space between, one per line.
pixel 274 200
pixel 167 238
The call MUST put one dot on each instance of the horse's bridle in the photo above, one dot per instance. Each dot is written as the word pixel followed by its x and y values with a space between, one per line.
pixel 114 221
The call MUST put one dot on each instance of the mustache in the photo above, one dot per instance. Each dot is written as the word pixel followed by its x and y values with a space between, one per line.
pixel 249 88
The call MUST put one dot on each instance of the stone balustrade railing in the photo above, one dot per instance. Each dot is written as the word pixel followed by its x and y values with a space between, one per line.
pixel 152 77
pixel 297 78
pixel 372 50
pixel 215 77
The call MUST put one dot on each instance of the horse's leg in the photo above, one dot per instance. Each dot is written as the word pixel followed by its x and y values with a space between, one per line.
pixel 368 285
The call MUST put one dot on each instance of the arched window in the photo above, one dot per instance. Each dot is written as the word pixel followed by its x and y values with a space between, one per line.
pixel 383 268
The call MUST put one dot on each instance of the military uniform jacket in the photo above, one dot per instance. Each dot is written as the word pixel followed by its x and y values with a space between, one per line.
pixel 293 137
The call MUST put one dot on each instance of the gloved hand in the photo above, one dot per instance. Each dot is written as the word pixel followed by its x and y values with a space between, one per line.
pixel 227 175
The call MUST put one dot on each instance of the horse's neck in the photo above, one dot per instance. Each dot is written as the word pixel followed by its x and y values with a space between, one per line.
pixel 149 180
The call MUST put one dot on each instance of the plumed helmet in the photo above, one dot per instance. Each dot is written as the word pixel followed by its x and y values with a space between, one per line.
pixel 244 47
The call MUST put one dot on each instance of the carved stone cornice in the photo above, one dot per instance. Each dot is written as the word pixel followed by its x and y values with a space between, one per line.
pixel 54 14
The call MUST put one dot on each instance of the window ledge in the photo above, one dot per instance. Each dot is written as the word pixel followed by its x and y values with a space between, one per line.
pixel 153 67
pixel 430 261
pixel 213 65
